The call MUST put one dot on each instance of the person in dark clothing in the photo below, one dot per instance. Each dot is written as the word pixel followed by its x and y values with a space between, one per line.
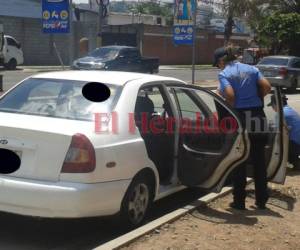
pixel 244 88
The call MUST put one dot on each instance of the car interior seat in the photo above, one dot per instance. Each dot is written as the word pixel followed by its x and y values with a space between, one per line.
pixel 159 146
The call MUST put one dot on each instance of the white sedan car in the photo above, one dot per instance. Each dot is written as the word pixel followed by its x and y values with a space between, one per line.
pixel 63 156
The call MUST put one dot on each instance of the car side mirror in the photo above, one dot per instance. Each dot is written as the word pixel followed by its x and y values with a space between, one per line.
pixel 19 46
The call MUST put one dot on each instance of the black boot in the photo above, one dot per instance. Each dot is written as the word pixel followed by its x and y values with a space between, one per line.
pixel 237 205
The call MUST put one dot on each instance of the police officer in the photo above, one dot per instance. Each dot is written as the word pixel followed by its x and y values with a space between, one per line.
pixel 244 88
pixel 292 119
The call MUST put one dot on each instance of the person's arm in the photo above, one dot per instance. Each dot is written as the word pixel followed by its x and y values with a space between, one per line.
pixel 226 90
pixel 263 84
pixel 264 87
pixel 229 95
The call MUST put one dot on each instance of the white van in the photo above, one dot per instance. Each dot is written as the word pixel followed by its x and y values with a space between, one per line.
pixel 11 53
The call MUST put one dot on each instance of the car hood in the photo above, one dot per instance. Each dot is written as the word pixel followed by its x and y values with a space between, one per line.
pixel 90 59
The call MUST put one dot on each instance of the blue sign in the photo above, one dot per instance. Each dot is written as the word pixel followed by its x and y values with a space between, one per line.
pixel 55 16
pixel 183 34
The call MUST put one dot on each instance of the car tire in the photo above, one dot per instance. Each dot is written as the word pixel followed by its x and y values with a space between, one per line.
pixel 11 65
pixel 136 202
pixel 293 88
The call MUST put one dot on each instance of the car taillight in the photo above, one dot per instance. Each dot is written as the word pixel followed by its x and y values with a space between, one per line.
pixel 80 157
pixel 283 72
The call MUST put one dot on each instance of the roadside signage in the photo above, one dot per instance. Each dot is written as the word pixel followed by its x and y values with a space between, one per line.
pixel 183 30
pixel 183 34
pixel 55 16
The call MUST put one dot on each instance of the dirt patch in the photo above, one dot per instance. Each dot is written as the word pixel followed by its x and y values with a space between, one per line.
pixel 216 226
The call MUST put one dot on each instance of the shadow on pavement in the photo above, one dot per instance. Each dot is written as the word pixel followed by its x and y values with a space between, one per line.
pixel 279 198
pixel 221 217
pixel 24 232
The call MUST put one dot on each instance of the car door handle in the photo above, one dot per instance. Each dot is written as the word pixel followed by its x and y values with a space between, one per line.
pixel 187 148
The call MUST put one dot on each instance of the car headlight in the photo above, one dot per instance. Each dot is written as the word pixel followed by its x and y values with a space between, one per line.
pixel 98 66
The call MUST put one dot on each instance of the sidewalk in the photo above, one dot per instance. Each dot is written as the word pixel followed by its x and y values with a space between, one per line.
pixel 216 226
pixel 37 69
pixel 184 67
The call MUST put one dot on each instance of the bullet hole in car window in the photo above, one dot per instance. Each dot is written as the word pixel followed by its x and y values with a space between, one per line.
pixel 10 161
pixel 96 92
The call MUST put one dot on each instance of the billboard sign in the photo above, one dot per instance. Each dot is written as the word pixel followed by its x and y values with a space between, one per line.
pixel 183 30
pixel 55 16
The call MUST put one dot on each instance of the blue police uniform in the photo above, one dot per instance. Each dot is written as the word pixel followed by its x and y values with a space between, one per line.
pixel 244 79
pixel 293 122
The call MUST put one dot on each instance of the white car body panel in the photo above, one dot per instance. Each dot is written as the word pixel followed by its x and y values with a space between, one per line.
pixel 60 199
pixel 44 191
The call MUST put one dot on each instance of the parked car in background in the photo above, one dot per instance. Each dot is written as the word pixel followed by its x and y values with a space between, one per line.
pixel 11 53
pixel 117 58
pixel 67 166
pixel 281 71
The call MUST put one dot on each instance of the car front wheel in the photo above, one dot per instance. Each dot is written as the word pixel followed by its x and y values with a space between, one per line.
pixel 11 65
pixel 137 201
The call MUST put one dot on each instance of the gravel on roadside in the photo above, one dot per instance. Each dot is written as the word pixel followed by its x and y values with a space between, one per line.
pixel 216 226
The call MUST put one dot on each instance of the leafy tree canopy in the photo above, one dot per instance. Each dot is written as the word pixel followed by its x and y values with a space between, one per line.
pixel 281 32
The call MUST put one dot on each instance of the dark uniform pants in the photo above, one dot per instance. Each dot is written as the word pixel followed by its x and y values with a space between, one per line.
pixel 294 153
pixel 255 121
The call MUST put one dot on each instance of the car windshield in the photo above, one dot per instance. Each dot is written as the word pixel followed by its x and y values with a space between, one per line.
pixel 106 53
pixel 274 61
pixel 54 98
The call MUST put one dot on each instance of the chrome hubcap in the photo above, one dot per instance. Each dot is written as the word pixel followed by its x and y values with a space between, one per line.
pixel 138 203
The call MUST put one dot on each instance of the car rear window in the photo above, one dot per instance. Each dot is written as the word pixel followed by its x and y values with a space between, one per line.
pixel 55 98
pixel 274 61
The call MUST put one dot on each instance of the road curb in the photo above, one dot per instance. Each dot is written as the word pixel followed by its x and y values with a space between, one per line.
pixel 141 231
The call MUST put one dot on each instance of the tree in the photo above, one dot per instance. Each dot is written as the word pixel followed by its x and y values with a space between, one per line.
pixel 251 10
pixel 154 8
pixel 281 32
pixel 285 6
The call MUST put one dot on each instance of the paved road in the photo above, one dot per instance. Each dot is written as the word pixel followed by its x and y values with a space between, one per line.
pixel 10 78
pixel 22 233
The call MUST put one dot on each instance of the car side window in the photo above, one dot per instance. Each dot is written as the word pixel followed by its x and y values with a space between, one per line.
pixel 129 53
pixel 124 53
pixel 154 96
pixel 11 42
pixel 192 107
pixel 133 54
pixel 296 64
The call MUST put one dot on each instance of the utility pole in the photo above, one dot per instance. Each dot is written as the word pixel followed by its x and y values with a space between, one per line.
pixel 99 24
pixel 71 40
pixel 194 41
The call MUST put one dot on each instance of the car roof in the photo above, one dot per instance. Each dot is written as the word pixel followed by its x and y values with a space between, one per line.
pixel 109 77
